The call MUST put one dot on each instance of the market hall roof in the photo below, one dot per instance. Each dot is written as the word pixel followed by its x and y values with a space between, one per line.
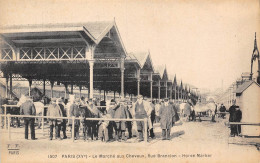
pixel 63 51
pixel 63 34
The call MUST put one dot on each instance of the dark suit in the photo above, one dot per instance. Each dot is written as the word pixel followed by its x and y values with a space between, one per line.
pixel 28 108
pixel 232 118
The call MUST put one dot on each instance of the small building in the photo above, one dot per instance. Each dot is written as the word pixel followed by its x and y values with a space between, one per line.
pixel 248 99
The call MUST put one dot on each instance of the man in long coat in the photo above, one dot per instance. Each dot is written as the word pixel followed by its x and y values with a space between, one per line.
pixel 166 113
pixel 232 118
pixel 121 113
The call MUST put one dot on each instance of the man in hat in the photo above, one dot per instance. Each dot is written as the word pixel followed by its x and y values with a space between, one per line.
pixel 166 113
pixel 232 110
pixel 64 114
pixel 75 111
pixel 54 111
pixel 28 108
pixel 112 125
pixel 141 109
pixel 129 123
pixel 121 113
pixel 233 118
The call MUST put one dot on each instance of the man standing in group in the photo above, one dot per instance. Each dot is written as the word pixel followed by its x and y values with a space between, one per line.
pixel 129 123
pixel 28 108
pixel 75 111
pixel 141 109
pixel 112 125
pixel 92 126
pixel 54 111
pixel 232 118
pixel 121 113
pixel 166 113
pixel 64 114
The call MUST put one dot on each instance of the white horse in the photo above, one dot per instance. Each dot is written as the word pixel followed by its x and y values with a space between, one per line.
pixel 185 110
pixel 209 108
pixel 71 101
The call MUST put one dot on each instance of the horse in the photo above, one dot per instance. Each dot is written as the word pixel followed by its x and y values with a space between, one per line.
pixel 186 110
pixel 89 127
pixel 71 101
pixel 209 108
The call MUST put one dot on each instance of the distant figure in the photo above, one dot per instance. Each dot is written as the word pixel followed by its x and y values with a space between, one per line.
pixel 222 109
pixel 28 108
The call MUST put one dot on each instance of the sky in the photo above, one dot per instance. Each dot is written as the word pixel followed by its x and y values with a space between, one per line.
pixel 202 42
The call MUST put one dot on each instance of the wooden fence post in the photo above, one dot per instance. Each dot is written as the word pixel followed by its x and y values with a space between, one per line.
pixel 1 123
pixel 5 121
pixel 43 122
pixel 9 127
pixel 145 130
pixel 73 128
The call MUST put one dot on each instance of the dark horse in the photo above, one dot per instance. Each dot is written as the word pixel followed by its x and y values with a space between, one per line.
pixel 88 126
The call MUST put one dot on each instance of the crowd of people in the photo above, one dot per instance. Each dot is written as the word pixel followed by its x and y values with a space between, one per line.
pixel 105 129
pixel 164 112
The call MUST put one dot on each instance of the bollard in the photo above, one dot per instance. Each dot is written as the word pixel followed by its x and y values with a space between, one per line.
pixel 5 121
pixel 145 130
pixel 73 128
pixel 9 128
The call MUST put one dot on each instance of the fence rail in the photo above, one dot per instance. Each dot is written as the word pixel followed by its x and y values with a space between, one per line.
pixel 243 123
pixel 16 106
pixel 8 118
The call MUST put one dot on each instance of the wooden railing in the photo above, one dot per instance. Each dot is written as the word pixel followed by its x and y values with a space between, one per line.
pixel 9 116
